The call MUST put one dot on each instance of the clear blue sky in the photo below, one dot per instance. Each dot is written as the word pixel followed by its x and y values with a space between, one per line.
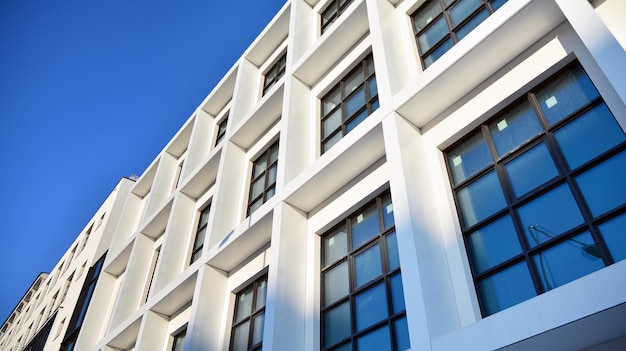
pixel 91 91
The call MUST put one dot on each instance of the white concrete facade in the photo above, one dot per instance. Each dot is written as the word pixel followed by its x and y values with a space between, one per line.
pixel 51 300
pixel 148 291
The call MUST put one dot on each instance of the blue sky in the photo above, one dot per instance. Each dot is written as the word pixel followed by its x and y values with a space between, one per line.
pixel 91 91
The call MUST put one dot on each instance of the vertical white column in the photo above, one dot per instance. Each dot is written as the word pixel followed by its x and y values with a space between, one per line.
pixel 152 333
pixel 285 312
pixel 604 48
pixel 430 303
pixel 204 330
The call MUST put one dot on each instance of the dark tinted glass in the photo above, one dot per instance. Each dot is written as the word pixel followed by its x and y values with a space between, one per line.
pixel 514 128
pixel 531 169
pixel 589 135
pixel 371 306
pixel 565 94
pixel 368 265
pixel 540 220
pixel 393 259
pixel 337 324
pixel 506 288
pixel 402 334
pixel 481 199
pixel 378 340
pixel 468 158
pixel 336 283
pixel 397 293
pixel 335 245
pixel 471 24
pixel 615 236
pixel 365 226
pixel 494 244
pixel 568 261
pixel 604 186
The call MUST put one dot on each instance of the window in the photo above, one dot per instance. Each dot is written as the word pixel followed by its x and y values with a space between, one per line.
pixel 348 103
pixel 362 296
pixel 221 130
pixel 263 183
pixel 178 342
pixel 332 11
pixel 247 331
pixel 439 24
pixel 76 322
pixel 179 172
pixel 152 269
pixel 198 244
pixel 540 191
pixel 275 73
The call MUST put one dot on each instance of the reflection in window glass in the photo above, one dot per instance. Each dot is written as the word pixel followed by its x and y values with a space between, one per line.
pixel 362 294
pixel 248 321
pixel 552 168
pixel 570 260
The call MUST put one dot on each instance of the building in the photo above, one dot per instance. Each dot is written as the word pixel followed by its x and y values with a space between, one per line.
pixel 44 315
pixel 386 175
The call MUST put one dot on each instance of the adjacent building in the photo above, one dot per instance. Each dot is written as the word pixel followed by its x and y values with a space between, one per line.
pixel 379 175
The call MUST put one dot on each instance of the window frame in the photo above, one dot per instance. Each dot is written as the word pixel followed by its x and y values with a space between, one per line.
pixel 453 29
pixel 221 128
pixel 252 286
pixel 274 73
pixel 566 177
pixel 269 189
pixel 177 336
pixel 195 249
pixel 372 102
pixel 354 291
pixel 341 6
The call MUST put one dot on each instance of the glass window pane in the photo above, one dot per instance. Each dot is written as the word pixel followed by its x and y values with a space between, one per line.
pixel 378 340
pixel 462 9
pixel 468 158
pixel 373 87
pixel 388 220
pixel 244 305
pixel 260 165
pixel 604 186
pixel 365 226
pixel 565 94
pixel 261 290
pixel 179 342
pixel 356 121
pixel 589 135
pixel 550 215
pixel 344 347
pixel 568 261
pixel 370 306
pixel 271 174
pixel 402 334
pixel 496 4
pixel 331 142
pixel 393 259
pixel 336 283
pixel 255 205
pixel 397 293
pixel 353 81
pixel 471 24
pixel 493 244
pixel 274 153
pixel 615 236
pixel 199 238
pixel 422 18
pixel 433 35
pixel 257 187
pixel 355 102
pixel 480 199
pixel 257 330
pixel 505 289
pixel 331 100
pixel 531 169
pixel 240 337
pixel 335 245
pixel 331 124
pixel 337 324
pixel 368 265
pixel 438 52
pixel 514 128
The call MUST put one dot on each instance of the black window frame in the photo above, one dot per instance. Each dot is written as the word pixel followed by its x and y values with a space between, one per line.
pixel 275 73
pixel 446 7
pixel 333 10
pixel 269 187
pixel 221 129
pixel 381 201
pixel 514 202
pixel 203 223
pixel 182 334
pixel 82 305
pixel 371 102
pixel 255 311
